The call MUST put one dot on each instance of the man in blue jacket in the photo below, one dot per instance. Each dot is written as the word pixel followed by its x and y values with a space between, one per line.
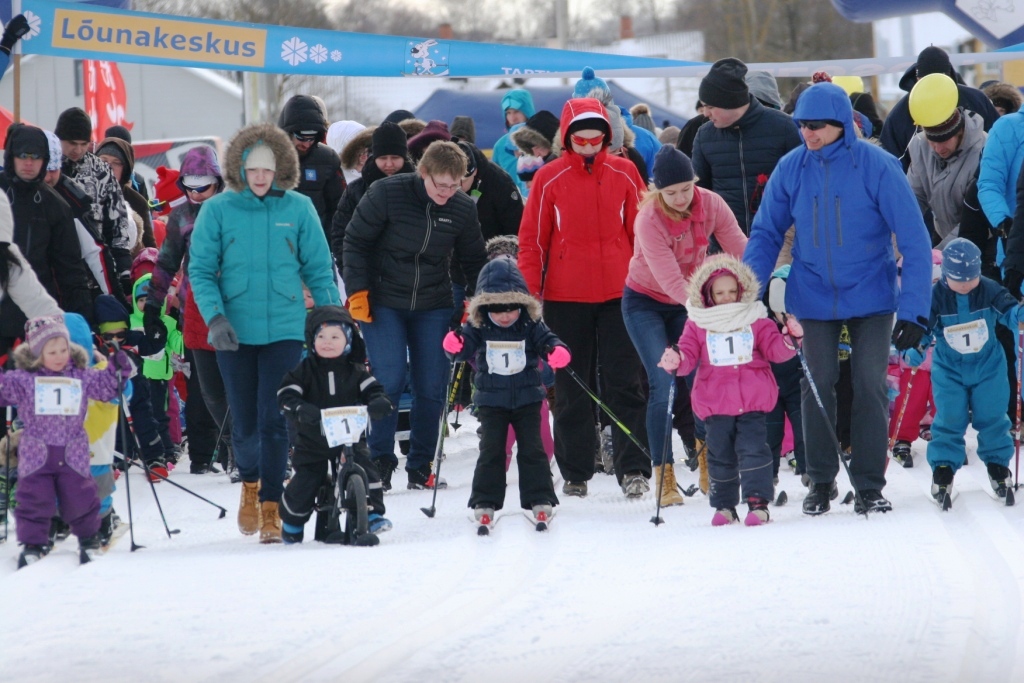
pixel 846 198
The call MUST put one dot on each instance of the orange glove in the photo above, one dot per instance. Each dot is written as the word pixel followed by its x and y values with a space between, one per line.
pixel 359 306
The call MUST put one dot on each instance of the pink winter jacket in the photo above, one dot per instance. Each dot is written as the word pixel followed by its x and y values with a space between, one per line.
pixel 733 389
pixel 666 252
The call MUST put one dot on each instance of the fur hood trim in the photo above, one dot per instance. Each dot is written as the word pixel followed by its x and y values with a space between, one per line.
pixel 744 275
pixel 24 359
pixel 527 138
pixel 501 282
pixel 287 173
pixel 360 141
pixel 477 316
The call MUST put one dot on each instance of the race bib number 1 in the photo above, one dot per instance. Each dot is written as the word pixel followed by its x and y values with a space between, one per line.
pixel 506 358
pixel 343 426
pixel 967 337
pixel 731 348
pixel 58 396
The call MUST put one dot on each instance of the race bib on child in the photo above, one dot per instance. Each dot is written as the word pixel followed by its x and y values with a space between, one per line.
pixel 731 348
pixel 506 358
pixel 967 337
pixel 58 395
pixel 344 425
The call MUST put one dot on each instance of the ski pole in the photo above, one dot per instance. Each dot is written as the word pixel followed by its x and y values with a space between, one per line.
pixel 656 520
pixel 223 511
pixel 1020 381
pixel 607 411
pixel 903 409
pixel 429 512
pixel 455 390
pixel 122 422
pixel 828 421
pixel 220 435
pixel 145 465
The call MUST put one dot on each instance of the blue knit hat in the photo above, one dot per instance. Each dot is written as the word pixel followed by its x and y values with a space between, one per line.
pixel 588 83
pixel 961 261
pixel 671 167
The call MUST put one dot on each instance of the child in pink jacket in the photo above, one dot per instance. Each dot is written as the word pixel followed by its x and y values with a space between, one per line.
pixel 730 340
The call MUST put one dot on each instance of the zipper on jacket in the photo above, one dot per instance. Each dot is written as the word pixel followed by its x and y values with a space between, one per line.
pixel 817 243
pixel 828 258
pixel 743 185
pixel 839 223
pixel 416 261
pixel 291 247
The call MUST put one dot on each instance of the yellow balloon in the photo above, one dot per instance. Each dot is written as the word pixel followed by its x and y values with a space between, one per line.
pixel 851 84
pixel 933 99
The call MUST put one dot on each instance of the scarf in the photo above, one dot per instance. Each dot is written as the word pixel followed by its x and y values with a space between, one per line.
pixel 727 317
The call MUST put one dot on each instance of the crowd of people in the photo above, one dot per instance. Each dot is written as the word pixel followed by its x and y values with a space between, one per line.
pixel 778 283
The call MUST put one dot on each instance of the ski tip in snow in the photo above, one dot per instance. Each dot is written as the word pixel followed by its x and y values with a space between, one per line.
pixel 945 501
pixel 1011 498
pixel 782 499
pixel 848 498
pixel 541 522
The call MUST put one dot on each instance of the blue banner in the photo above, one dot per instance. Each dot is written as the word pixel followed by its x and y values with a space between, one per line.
pixel 92 32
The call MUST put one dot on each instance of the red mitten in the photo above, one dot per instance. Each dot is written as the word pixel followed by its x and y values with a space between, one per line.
pixel 559 357
pixel 452 343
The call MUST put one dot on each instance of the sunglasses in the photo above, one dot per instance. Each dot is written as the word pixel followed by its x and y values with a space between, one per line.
pixel 114 336
pixel 583 142
pixel 813 125
pixel 199 190
pixel 28 155
pixel 304 138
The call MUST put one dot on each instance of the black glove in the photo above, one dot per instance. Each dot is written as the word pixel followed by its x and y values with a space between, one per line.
pixel 153 325
pixel 379 407
pixel 308 414
pixel 1012 281
pixel 907 335
pixel 222 335
pixel 15 29
pixel 1005 227
pixel 456 320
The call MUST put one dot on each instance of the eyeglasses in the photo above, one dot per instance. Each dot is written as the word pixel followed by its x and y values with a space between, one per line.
pixel 28 155
pixel 583 142
pixel 813 125
pixel 446 188
pixel 304 138
pixel 199 190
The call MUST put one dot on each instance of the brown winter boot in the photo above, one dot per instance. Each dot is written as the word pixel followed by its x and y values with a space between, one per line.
pixel 249 508
pixel 669 491
pixel 702 462
pixel 270 528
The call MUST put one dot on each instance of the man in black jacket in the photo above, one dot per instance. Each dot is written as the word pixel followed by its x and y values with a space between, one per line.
pixel 320 176
pixel 736 151
pixel 44 230
pixel 899 129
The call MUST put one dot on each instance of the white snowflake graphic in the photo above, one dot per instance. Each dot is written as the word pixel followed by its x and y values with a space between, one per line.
pixel 293 51
pixel 336 55
pixel 34 24
pixel 318 53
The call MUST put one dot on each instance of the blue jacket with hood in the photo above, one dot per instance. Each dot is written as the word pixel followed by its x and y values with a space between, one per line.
pixel 523 101
pixel 846 200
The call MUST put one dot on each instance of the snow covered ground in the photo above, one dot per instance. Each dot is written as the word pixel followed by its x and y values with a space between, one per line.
pixel 915 595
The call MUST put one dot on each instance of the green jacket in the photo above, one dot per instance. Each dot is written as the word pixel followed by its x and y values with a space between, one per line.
pixel 158 366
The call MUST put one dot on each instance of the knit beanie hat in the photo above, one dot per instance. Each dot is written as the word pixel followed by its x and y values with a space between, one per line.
pixel 671 167
pixel 341 132
pixel 618 128
pixel 261 156
pixel 389 140
pixel 56 155
pixel 642 116
pixel 110 313
pixel 464 128
pixel 590 82
pixel 399 115
pixel 545 123
pixel 114 150
pixel 40 330
pixel 467 149
pixel 24 139
pixel 118 132
pixel 590 123
pixel 725 86
pixel 435 130
pixel 141 289
pixel 947 129
pixel 74 124
pixel 961 260
pixel 527 165
pixel 502 245
pixel 166 190
pixel 933 60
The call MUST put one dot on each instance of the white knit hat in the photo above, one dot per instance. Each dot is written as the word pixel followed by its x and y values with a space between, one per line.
pixel 261 156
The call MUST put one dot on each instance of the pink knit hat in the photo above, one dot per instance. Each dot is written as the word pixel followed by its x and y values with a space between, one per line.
pixel 705 290
pixel 40 330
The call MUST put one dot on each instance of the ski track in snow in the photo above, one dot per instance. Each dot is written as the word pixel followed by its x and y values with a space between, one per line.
pixel 604 595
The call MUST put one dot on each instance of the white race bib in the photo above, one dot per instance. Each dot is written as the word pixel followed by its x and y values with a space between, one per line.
pixel 967 337
pixel 58 396
pixel 343 425
pixel 731 348
pixel 506 358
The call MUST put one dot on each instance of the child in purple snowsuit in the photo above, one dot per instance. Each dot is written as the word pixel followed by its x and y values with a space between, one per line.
pixel 732 343
pixel 51 388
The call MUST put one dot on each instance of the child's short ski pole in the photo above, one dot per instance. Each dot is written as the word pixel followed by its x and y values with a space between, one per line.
pixel 903 409
pixel 656 520
pixel 429 512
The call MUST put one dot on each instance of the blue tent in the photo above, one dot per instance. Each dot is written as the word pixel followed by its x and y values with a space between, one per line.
pixel 485 108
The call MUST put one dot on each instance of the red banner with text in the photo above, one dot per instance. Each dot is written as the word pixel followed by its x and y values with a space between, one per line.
pixel 106 100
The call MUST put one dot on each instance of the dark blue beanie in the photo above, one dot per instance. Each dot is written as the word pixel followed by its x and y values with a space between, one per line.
pixel 671 167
